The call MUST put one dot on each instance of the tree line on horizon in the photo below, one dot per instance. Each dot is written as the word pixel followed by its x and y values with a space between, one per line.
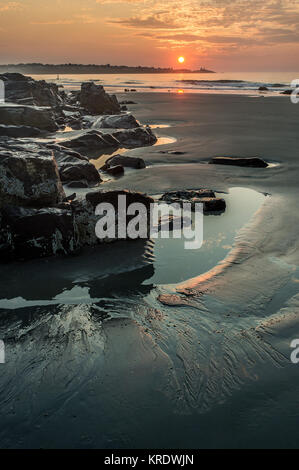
pixel 37 68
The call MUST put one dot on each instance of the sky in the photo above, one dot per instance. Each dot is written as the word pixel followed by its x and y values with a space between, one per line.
pixel 225 35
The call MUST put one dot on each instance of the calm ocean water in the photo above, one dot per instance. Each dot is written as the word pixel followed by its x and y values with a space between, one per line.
pixel 235 82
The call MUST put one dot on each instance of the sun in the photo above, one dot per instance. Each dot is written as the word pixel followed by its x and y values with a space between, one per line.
pixel 181 60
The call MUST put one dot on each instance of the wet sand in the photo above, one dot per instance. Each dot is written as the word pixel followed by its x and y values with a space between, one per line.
pixel 210 366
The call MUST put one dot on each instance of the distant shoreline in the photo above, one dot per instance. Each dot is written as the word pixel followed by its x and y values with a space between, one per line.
pixel 70 69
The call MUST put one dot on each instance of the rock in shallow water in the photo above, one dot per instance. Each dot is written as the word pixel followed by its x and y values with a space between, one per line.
pixel 207 197
pixel 79 171
pixel 253 162
pixel 124 161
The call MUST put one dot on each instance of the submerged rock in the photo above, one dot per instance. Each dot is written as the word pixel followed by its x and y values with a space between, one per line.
pixel 254 162
pixel 17 115
pixel 96 101
pixel 207 197
pixel 124 161
pixel 124 121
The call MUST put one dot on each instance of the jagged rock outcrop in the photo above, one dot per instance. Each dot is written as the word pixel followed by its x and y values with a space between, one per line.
pixel 96 101
pixel 74 167
pixel 25 90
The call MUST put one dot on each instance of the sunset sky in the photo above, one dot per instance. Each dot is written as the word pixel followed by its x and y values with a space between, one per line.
pixel 226 35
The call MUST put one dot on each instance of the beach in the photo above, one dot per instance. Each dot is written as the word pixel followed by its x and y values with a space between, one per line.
pixel 101 358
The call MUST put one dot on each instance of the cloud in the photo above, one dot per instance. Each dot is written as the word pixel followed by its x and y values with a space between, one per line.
pixel 236 24
pixel 75 19
pixel 151 22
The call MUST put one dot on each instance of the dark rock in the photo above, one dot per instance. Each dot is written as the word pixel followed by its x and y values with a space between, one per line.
pixel 123 121
pixel 65 155
pixel 96 197
pixel 90 141
pixel 70 198
pixel 85 218
pixel 16 115
pixel 254 162
pixel 115 170
pixel 20 131
pixel 79 171
pixel 123 160
pixel 172 152
pixel 287 92
pixel 78 184
pixel 25 90
pixel 27 233
pixel 278 85
pixel 207 197
pixel 138 137
pixel 263 88
pixel 187 195
pixel 37 233
pixel 127 102
pixel 96 101
pixel 29 179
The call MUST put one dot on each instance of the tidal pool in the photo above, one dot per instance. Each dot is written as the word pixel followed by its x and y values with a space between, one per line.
pixel 127 268
pixel 173 263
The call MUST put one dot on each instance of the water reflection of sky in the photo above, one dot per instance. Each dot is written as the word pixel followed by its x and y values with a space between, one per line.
pixel 173 263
